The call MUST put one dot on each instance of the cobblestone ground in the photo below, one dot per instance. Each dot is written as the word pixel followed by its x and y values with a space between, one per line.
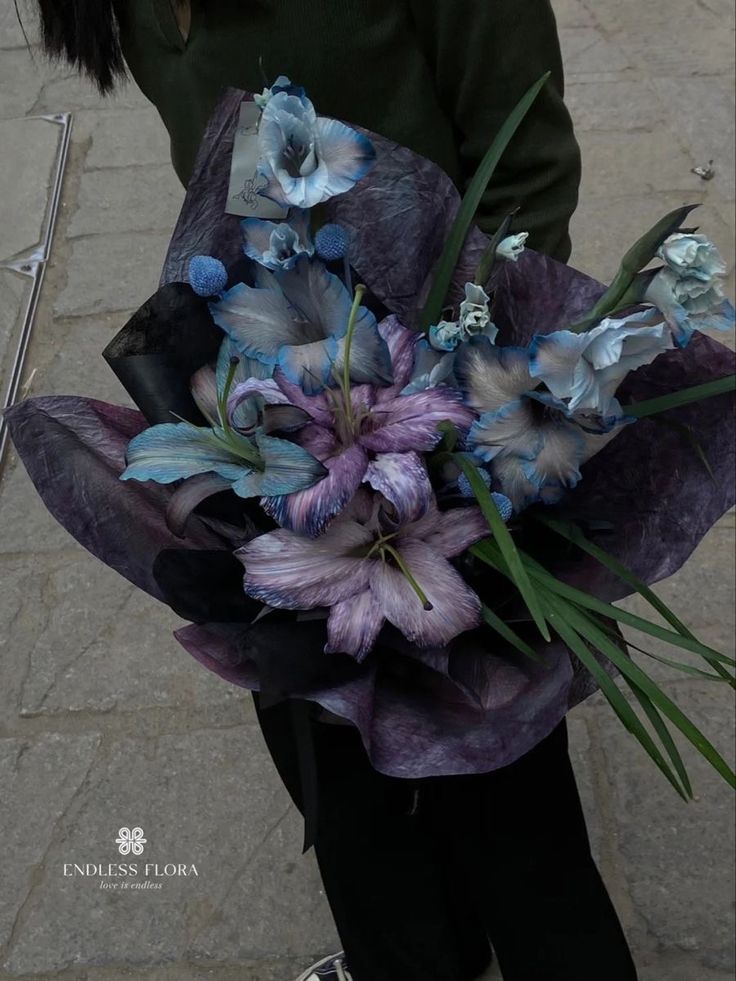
pixel 105 721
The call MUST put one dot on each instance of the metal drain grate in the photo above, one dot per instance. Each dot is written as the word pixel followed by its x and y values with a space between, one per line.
pixel 29 268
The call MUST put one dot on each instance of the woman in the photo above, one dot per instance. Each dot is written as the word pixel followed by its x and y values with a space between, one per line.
pixel 422 876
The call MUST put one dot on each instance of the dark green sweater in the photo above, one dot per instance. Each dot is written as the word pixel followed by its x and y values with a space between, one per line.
pixel 439 76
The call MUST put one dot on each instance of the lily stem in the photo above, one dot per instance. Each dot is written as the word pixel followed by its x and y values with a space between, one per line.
pixel 423 598
pixel 359 293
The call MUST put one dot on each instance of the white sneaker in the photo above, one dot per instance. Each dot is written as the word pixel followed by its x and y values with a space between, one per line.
pixel 332 968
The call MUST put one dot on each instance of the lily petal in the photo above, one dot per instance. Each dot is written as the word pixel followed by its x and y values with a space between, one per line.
pixel 409 422
pixel 403 480
pixel 320 299
pixel 191 493
pixel 316 405
pixel 491 376
pixel 171 450
pixel 402 347
pixel 204 392
pixel 287 467
pixel 308 512
pixel 451 532
pixel 289 572
pixel 455 607
pixel 353 625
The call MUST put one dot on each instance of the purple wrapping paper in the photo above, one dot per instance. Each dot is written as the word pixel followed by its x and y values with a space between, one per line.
pixel 469 708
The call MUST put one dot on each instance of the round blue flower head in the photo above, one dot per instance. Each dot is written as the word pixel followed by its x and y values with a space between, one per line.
pixel 207 275
pixel 504 505
pixel 331 242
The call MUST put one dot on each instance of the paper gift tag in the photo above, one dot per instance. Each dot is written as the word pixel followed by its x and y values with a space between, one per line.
pixel 242 196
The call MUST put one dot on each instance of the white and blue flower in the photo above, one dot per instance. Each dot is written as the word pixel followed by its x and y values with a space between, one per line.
pixel 532 445
pixel 511 247
pixel 308 159
pixel 282 84
pixel 297 319
pixel 277 245
pixel 584 370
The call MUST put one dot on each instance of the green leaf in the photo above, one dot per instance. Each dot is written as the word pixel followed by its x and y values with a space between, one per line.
pixel 585 600
pixel 502 536
pixel 502 628
pixel 585 626
pixel 573 534
pixel 638 256
pixel 488 260
pixel 665 737
pixel 686 395
pixel 611 692
pixel 466 213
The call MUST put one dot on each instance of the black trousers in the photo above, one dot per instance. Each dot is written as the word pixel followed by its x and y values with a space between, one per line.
pixel 423 876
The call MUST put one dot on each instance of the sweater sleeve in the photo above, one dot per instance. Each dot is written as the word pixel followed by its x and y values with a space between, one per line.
pixel 484 54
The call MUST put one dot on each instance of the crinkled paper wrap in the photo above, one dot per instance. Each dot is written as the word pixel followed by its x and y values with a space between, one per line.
pixel 477 704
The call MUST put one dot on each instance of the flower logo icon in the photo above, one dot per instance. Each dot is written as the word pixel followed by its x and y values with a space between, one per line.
pixel 130 840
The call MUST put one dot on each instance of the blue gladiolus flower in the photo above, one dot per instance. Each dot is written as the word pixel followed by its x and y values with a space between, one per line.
pixel 584 370
pixel 277 245
pixel 296 319
pixel 531 443
pixel 308 159
pixel 282 84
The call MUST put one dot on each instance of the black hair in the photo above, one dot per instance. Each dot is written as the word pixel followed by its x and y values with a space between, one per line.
pixel 86 33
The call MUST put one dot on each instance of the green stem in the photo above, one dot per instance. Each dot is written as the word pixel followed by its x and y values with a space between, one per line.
pixel 359 293
pixel 424 600
pixel 686 395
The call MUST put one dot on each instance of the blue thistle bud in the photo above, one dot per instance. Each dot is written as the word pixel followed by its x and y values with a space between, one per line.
pixel 331 242
pixel 207 275
pixel 504 505
pixel 463 484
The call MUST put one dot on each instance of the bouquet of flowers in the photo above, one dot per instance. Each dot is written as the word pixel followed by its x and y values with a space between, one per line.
pixel 393 467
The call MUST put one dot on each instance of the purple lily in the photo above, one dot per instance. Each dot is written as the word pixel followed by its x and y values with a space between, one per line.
pixel 376 439
pixel 366 575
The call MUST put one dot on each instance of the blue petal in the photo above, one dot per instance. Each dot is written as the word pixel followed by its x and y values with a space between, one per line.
pixel 510 430
pixel 309 365
pixel 288 467
pixel 171 451
pixel 370 358
pixel 320 299
pixel 347 154
pixel 491 376
pixel 258 320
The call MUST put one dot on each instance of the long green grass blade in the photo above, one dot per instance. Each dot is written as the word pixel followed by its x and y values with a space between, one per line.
pixel 686 395
pixel 587 628
pixel 665 737
pixel 466 213
pixel 573 534
pixel 611 692
pixel 487 551
pixel 504 541
pixel 504 630
pixel 589 602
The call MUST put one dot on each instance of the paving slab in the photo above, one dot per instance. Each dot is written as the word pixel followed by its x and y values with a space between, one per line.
pixel 127 138
pixel 15 290
pixel 227 831
pixel 26 185
pixel 111 273
pixel 123 202
pixel 40 779
pixel 665 855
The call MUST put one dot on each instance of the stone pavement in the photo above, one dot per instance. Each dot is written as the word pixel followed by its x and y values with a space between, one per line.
pixel 105 722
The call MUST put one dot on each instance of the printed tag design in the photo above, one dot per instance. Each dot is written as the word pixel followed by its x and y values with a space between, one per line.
pixel 242 196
